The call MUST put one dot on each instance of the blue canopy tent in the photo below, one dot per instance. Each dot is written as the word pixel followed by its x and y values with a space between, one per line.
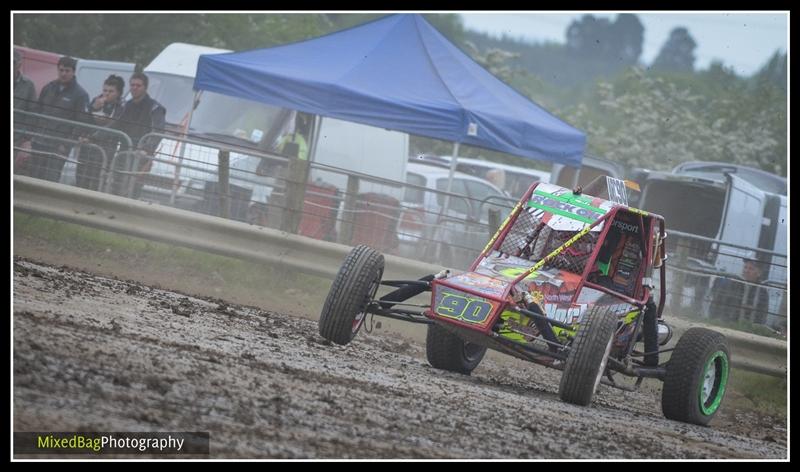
pixel 398 73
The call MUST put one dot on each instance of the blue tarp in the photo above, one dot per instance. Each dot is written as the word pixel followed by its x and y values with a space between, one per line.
pixel 398 73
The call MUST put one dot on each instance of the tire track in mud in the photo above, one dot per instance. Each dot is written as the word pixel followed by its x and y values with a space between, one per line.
pixel 94 353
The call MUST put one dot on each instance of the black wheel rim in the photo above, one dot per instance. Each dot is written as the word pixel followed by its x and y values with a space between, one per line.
pixel 358 321
pixel 472 351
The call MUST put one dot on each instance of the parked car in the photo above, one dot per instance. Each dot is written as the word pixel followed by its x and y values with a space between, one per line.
pixel 514 180
pixel 425 225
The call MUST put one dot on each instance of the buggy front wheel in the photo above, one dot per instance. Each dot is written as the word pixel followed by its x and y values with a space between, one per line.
pixel 353 288
pixel 588 356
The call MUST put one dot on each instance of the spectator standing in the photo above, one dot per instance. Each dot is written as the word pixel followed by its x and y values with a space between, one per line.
pixel 755 299
pixel 295 144
pixel 62 98
pixel 105 108
pixel 747 300
pixel 140 115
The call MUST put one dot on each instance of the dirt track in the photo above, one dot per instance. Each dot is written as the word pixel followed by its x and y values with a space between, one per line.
pixel 93 353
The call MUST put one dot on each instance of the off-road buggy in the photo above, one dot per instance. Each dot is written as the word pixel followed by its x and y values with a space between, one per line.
pixel 567 282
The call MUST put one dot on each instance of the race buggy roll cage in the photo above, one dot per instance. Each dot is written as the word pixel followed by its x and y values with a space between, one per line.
pixel 487 335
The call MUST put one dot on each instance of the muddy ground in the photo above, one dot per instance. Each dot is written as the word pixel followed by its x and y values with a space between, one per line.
pixel 95 353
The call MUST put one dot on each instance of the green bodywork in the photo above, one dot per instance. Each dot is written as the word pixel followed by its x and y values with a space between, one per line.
pixel 511 318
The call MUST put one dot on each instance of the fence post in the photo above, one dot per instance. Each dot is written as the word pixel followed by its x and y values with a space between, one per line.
pixel 348 216
pixel 295 194
pixel 223 181
pixel 679 278
pixel 494 221
pixel 132 165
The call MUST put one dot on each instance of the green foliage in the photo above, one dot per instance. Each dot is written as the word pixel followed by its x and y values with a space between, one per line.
pixel 495 61
pixel 677 54
pixel 566 66
pixel 340 21
pixel 140 37
pixel 774 72
pixel 449 25
pixel 618 42
pixel 660 120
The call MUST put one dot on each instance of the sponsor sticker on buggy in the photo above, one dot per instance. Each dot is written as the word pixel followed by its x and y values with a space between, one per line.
pixel 564 210
pixel 462 306
pixel 500 266
pixel 626 227
pixel 567 314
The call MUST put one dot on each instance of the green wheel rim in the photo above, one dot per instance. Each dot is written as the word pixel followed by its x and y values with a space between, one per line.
pixel 713 382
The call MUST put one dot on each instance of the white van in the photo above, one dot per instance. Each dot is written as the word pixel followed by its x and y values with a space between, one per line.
pixel 360 148
pixel 453 236
pixel 171 78
pixel 728 207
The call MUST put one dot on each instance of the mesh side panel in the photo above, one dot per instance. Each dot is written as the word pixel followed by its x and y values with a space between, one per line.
pixel 523 231
pixel 574 258
pixel 530 239
pixel 539 247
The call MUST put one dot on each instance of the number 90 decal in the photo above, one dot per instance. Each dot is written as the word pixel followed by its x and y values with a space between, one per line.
pixel 471 310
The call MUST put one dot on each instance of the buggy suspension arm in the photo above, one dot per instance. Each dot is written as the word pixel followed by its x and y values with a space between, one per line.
pixel 657 372
pixel 405 289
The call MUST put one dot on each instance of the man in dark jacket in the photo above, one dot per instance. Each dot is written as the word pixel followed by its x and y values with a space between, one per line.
pixel 62 98
pixel 140 115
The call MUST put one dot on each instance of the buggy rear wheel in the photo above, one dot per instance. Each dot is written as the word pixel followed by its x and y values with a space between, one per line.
pixel 697 377
pixel 353 288
pixel 449 352
pixel 587 358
